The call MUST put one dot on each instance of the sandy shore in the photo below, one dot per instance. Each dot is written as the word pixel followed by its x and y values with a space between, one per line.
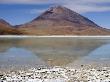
pixel 57 74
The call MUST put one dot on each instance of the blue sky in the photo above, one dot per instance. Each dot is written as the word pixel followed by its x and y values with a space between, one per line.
pixel 21 11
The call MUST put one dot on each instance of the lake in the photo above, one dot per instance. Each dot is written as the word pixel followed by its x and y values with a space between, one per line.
pixel 20 53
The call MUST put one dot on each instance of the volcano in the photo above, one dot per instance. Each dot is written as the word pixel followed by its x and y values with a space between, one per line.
pixel 59 20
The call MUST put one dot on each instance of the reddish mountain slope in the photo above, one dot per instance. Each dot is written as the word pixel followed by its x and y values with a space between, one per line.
pixel 7 29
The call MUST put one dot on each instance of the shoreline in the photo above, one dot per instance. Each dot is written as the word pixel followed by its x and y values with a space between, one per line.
pixel 52 36
pixel 58 74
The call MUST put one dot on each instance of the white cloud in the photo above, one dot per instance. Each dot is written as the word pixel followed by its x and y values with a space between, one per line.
pixel 26 1
pixel 81 6
pixel 35 11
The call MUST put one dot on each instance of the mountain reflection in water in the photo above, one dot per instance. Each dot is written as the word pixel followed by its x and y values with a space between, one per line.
pixel 48 51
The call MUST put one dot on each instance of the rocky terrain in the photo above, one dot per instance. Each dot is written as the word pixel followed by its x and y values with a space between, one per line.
pixel 59 20
pixel 57 74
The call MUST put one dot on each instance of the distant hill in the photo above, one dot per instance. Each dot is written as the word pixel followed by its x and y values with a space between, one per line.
pixel 7 29
pixel 59 20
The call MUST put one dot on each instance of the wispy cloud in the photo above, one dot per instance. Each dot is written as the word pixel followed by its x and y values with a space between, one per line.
pixel 37 11
pixel 27 1
pixel 81 6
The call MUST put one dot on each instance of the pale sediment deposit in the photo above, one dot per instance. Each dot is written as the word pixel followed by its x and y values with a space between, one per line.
pixel 57 74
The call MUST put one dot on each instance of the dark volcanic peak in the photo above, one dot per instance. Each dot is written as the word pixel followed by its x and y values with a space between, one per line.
pixel 63 13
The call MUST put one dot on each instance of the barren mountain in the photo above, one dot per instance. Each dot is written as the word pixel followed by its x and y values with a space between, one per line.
pixel 7 29
pixel 60 20
pixel 56 20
